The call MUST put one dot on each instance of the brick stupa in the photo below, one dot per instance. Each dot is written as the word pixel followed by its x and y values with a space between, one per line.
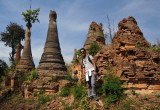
pixel 52 63
pixel 18 53
pixel 26 63
pixel 95 34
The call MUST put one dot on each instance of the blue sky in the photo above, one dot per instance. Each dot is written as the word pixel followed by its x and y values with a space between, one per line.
pixel 74 18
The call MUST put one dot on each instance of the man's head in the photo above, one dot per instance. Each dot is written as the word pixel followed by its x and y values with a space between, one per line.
pixel 83 52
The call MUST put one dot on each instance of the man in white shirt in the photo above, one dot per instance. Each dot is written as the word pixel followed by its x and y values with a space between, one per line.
pixel 89 69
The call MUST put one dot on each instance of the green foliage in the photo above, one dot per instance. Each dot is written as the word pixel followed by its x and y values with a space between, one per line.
pixel 35 94
pixel 31 16
pixel 42 91
pixel 3 69
pixel 13 66
pixel 126 105
pixel 134 92
pixel 79 92
pixel 112 89
pixel 21 76
pixel 43 83
pixel 84 105
pixel 69 78
pixel 141 46
pixel 75 61
pixel 68 68
pixel 146 98
pixel 65 91
pixel 33 76
pixel 12 36
pixel 158 95
pixel 78 53
pixel 43 99
pixel 155 48
pixel 94 48
pixel 54 79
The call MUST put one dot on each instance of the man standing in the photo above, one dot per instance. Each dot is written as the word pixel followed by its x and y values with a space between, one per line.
pixel 89 69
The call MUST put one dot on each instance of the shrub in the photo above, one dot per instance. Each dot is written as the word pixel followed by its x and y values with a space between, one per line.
pixel 65 91
pixel 112 89
pixel 126 105
pixel 155 48
pixel 94 48
pixel 33 76
pixel 21 76
pixel 43 99
pixel 84 104
pixel 3 69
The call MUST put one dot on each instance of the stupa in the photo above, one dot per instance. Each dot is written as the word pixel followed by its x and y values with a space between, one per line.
pixel 26 63
pixel 52 63
pixel 95 34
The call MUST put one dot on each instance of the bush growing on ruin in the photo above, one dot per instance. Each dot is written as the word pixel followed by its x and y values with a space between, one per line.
pixel 112 89
pixel 33 76
pixel 155 48
pixel 94 48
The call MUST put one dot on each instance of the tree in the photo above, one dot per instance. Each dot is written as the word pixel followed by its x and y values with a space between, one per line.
pixel 3 68
pixel 12 37
pixel 31 17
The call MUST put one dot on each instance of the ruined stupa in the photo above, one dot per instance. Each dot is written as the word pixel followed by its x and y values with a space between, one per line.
pixel 95 34
pixel 26 62
pixel 75 55
pixel 131 58
pixel 18 53
pixel 52 63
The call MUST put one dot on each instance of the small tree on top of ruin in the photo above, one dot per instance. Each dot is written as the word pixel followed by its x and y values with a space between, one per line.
pixel 31 17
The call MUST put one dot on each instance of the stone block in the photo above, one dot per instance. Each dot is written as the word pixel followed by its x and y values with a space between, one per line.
pixel 154 87
pixel 140 86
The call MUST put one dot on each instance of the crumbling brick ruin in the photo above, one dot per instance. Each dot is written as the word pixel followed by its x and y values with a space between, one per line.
pixel 131 58
pixel 95 34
